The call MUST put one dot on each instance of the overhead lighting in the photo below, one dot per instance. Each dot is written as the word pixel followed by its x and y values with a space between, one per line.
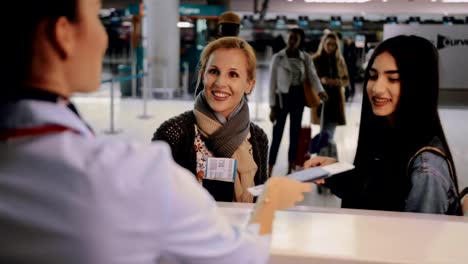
pixel 337 1
pixel 184 25
pixel 106 12
pixel 126 23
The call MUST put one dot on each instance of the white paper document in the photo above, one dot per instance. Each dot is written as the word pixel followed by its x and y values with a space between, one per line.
pixel 221 169
pixel 311 174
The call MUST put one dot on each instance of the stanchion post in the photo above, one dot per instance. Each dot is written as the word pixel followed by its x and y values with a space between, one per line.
pixel 145 102
pixel 145 98
pixel 134 69
pixel 258 96
pixel 112 129
pixel 185 81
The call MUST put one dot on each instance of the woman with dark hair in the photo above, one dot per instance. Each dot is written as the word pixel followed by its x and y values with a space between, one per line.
pixel 403 161
pixel 288 72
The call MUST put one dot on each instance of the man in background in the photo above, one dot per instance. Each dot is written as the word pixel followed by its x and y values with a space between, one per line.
pixel 228 26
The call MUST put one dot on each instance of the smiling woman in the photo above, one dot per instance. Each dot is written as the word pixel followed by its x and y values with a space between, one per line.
pixel 383 85
pixel 403 161
pixel 226 81
pixel 219 126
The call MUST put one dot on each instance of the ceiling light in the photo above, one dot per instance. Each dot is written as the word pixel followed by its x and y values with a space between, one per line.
pixel 184 25
pixel 126 23
pixel 337 1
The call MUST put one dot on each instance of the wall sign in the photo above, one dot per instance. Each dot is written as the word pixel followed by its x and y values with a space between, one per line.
pixel 451 42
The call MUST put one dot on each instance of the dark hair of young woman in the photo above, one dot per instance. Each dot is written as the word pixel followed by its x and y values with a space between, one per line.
pixel 384 150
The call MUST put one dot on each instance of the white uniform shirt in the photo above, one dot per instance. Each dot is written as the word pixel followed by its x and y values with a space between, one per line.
pixel 71 198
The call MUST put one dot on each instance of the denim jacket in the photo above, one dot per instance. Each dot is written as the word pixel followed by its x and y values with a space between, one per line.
pixel 432 188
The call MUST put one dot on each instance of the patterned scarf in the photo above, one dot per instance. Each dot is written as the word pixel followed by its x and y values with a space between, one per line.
pixel 229 141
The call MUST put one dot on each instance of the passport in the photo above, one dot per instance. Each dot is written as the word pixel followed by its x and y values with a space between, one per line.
pixel 310 175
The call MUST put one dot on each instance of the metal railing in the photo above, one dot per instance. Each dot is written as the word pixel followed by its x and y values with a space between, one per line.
pixel 146 89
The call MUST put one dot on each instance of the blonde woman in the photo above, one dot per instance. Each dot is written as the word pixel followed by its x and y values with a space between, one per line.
pixel 219 126
pixel 333 74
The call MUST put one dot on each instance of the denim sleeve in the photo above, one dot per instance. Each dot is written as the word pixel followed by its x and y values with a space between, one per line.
pixel 432 188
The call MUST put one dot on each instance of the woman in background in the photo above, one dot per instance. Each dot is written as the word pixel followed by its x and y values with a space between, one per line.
pixel 331 68
pixel 288 72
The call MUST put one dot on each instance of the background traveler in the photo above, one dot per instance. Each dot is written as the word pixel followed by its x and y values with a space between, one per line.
pixel 331 68
pixel 287 75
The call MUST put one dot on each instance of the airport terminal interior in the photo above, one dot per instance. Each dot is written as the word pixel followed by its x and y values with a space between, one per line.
pixel 149 75
pixel 132 122
pixel 137 117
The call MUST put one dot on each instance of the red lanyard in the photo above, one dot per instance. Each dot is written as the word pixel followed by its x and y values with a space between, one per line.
pixel 33 131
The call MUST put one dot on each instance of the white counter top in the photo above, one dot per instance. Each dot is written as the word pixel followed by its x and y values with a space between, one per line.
pixel 323 235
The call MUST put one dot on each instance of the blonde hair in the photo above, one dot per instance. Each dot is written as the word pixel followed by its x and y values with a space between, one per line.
pixel 339 59
pixel 229 43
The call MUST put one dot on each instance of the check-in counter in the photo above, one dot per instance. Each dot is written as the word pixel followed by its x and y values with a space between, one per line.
pixel 332 235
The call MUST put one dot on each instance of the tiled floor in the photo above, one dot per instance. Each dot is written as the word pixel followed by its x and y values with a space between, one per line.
pixel 129 111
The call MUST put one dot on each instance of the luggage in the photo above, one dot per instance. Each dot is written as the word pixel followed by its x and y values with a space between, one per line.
pixel 329 150
pixel 323 146
pixel 303 146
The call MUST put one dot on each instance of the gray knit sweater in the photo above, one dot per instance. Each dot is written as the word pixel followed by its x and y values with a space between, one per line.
pixel 179 133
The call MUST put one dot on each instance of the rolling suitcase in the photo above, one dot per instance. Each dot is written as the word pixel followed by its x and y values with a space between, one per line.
pixel 303 146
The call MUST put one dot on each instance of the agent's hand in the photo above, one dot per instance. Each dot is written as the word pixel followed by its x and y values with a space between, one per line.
pixel 323 96
pixel 317 162
pixel 272 114
pixel 283 192
pixel 279 193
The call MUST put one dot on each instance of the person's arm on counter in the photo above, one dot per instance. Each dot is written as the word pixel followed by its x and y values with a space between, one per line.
pixel 197 232
pixel 280 193
pixel 342 184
